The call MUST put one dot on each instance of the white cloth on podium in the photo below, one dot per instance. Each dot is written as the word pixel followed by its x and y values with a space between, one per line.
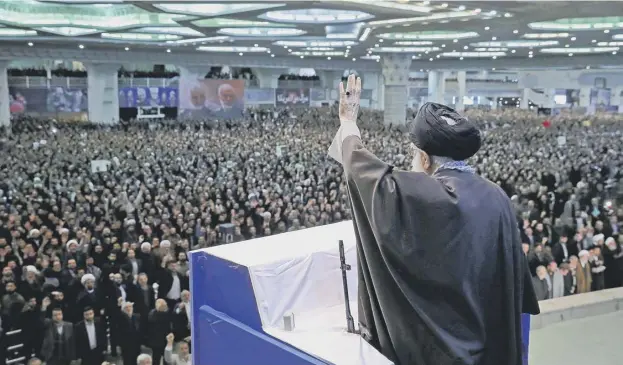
pixel 299 272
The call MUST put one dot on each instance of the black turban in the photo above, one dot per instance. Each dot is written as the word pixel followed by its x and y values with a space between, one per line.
pixel 440 131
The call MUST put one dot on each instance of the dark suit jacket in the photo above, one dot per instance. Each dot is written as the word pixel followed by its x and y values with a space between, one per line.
pixel 82 339
pixel 95 301
pixel 47 349
pixel 165 281
pixel 135 295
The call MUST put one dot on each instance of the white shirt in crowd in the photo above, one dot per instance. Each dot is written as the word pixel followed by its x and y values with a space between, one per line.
pixel 175 359
pixel 90 326
pixel 176 288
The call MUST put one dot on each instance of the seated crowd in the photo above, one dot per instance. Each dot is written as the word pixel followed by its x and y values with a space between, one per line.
pixel 82 248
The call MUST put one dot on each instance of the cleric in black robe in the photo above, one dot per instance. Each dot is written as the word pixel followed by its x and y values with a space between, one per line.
pixel 442 277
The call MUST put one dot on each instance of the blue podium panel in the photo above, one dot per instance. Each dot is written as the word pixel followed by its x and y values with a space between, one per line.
pixel 223 340
pixel 525 336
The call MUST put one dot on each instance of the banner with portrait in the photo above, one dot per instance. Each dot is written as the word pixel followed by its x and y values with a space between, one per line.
pixel 24 100
pixel 201 98
pixel 294 97
pixel 144 96
pixel 65 100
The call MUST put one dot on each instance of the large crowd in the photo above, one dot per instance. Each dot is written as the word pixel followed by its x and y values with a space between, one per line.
pixel 94 254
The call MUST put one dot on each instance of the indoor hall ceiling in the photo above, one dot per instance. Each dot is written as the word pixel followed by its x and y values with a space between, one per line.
pixel 355 30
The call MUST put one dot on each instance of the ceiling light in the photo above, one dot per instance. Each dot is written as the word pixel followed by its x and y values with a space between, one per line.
pixel 591 23
pixel 614 52
pixel 261 32
pixel 461 8
pixel 127 48
pixel 588 67
pixel 515 31
pixel 507 15
pixel 354 59
pixel 255 45
pixel 69 31
pixel 168 51
pixel 580 50
pixel 490 49
pixel 493 69
pixel 487 28
pixel 311 43
pixel 317 54
pixel 365 34
pixel 546 35
pixel 329 57
pixel 455 40
pixel 570 54
pixel 240 54
pixel 320 49
pixel 513 51
pixel 212 9
pixel 573 39
pixel 566 46
pixel 530 56
pixel 461 58
pixel 429 35
pixel 494 38
pixel 473 54
pixel 347 47
pixel 443 46
pixel 81 46
pixel 9 32
pixel 140 36
pixel 326 16
pixel 185 31
pixel 430 59
pixel 405 49
pixel 272 55
pixel 594 40
pixel 232 49
pixel 494 57
pixel 444 5
pixel 516 44
pixel 413 43
pixel 30 44
pixel 606 31
pixel 302 56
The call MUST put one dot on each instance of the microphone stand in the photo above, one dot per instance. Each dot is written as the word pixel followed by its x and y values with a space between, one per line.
pixel 350 323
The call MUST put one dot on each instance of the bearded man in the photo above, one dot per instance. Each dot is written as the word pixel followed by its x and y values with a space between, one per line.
pixel 442 276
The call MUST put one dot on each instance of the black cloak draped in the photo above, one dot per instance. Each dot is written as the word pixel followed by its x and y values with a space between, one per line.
pixel 442 278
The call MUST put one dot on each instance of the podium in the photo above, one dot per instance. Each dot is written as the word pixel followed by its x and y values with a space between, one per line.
pixel 277 300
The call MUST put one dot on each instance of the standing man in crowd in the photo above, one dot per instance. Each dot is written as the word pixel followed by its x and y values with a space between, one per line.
pixel 91 341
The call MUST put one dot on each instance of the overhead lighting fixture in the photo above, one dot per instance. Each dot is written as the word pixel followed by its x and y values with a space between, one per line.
pixel 261 32
pixel 413 43
pixel 610 44
pixel 168 51
pixel 545 35
pixel 326 16
pixel 583 50
pixel 231 49
pixel 515 31
pixel 607 31
pixel 200 40
pixel 30 44
pixel 69 31
pixel 230 22
pixel 487 28
pixel 141 36
pixel 616 36
pixel 319 49
pixel 445 16
pixel 480 49
pixel 404 49
pixel 472 54
pixel 573 39
pixel 393 5
pixel 310 43
pixel 508 15
pixel 371 57
pixel 10 32
pixel 127 48
pixel 317 54
pixel 81 46
pixel 592 23
pixel 213 9
pixel 365 34
pixel 185 31
pixel 516 44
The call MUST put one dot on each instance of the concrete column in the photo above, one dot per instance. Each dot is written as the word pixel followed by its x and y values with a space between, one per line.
pixel 5 104
pixel 269 77
pixel 585 97
pixel 550 95
pixel 525 99
pixel 103 90
pixel 461 77
pixel 433 84
pixel 441 88
pixel 395 83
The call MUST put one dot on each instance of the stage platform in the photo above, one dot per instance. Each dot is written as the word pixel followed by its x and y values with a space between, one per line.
pixel 241 293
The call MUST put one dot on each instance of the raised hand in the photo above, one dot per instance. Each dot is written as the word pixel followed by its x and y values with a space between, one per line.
pixel 350 99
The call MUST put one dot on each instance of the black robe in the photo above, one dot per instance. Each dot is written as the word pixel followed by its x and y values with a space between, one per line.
pixel 442 277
